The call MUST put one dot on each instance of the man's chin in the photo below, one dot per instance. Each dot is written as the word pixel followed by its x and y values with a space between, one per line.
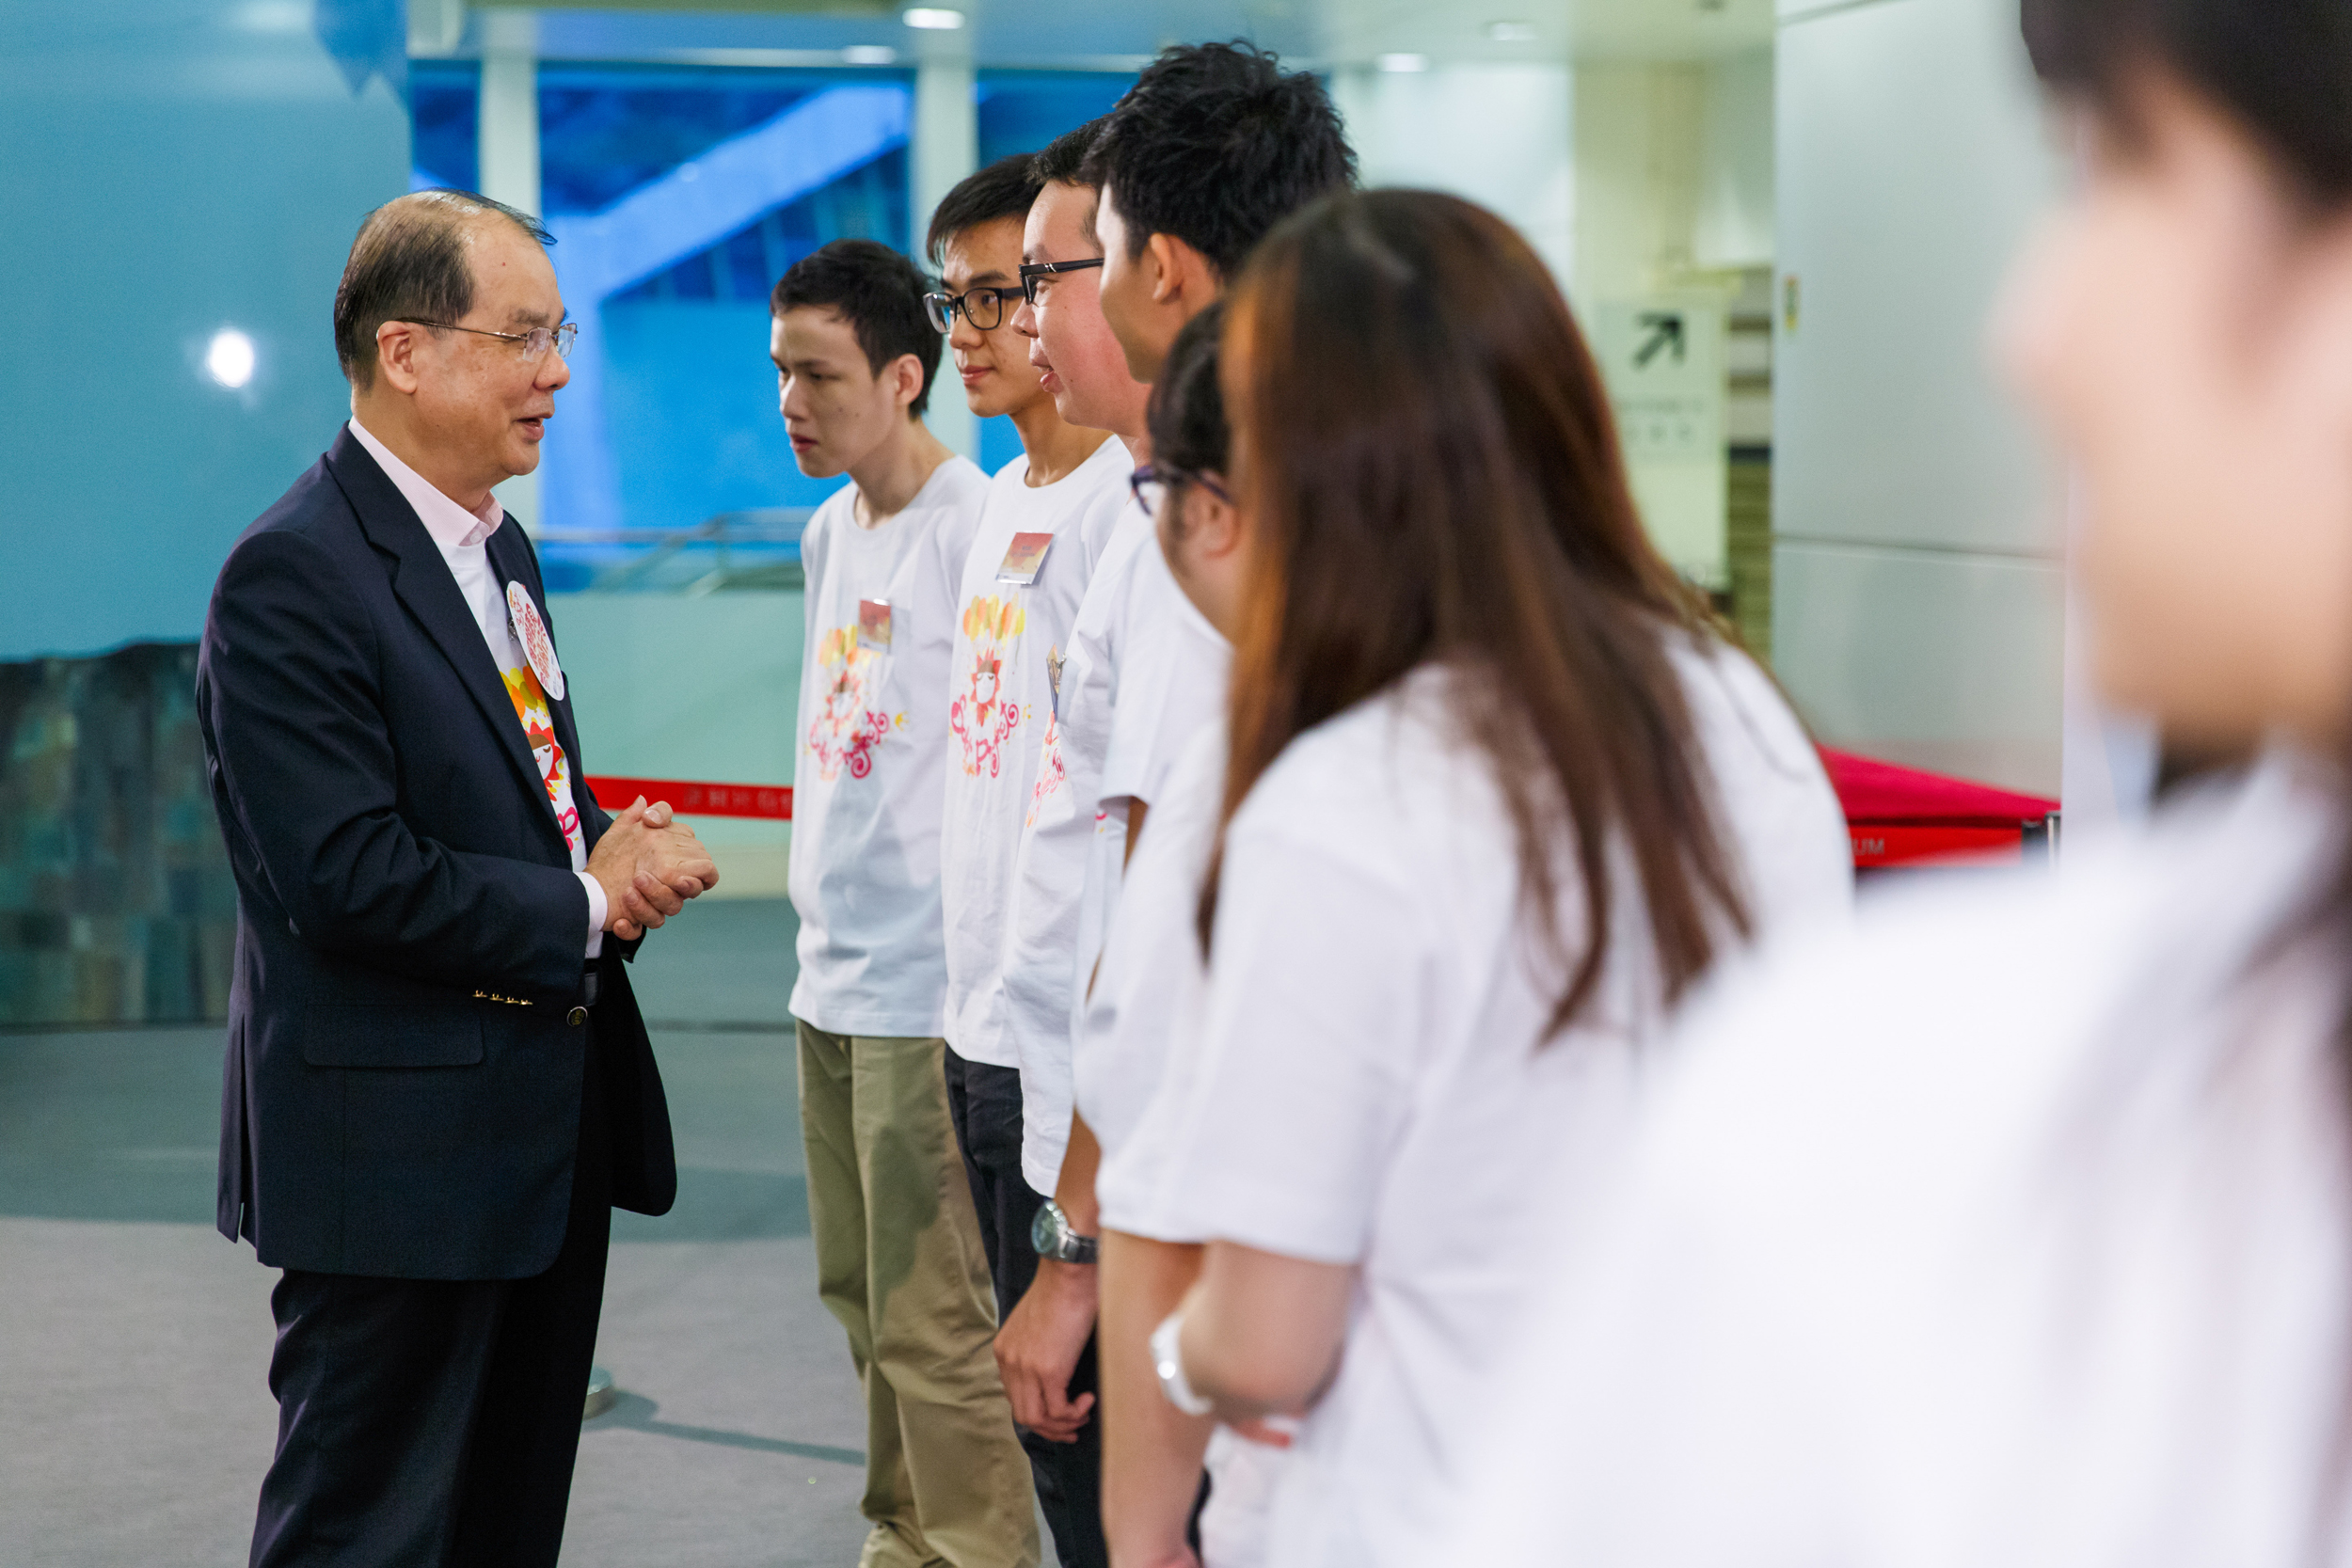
pixel 816 463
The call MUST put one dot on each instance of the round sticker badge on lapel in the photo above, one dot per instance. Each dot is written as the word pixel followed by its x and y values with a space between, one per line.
pixel 538 647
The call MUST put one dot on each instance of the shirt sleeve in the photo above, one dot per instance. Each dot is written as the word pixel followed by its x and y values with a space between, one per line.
pixel 1173 682
pixel 598 908
pixel 1318 975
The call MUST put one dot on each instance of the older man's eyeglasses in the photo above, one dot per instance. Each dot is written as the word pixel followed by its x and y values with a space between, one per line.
pixel 535 342
pixel 983 308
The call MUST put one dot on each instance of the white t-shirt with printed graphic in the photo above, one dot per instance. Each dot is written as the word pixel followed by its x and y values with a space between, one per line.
pixel 1145 673
pixel 873 738
pixel 1010 640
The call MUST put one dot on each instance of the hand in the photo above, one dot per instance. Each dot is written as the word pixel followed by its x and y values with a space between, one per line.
pixel 1039 1347
pixel 1263 1430
pixel 649 865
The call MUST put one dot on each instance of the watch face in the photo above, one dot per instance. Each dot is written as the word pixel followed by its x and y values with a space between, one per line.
pixel 1046 1231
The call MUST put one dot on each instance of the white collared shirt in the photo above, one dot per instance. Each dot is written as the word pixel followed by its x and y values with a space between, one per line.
pixel 460 536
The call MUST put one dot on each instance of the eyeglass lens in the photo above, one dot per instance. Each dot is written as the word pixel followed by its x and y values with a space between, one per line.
pixel 983 308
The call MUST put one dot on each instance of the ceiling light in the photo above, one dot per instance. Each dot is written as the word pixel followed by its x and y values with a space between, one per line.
pixel 1511 32
pixel 870 54
pixel 229 359
pixel 1402 62
pixel 931 19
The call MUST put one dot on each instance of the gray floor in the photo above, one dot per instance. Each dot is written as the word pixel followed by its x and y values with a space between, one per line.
pixel 134 1413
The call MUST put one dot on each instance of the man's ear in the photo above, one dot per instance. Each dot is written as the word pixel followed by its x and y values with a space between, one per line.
pixel 906 374
pixel 1179 271
pixel 396 346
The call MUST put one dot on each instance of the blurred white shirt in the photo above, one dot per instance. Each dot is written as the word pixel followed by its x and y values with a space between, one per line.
pixel 2014 1229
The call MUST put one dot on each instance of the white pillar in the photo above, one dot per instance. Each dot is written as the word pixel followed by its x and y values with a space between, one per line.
pixel 944 148
pixel 509 142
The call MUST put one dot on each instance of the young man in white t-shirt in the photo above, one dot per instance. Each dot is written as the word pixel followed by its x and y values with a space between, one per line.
pixel 1213 147
pixel 898 1243
pixel 1050 513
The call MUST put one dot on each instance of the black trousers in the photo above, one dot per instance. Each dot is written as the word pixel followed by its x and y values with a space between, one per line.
pixel 985 1102
pixel 429 1423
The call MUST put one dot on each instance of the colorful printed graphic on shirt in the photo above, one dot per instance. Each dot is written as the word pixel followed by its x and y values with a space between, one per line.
pixel 1051 799
pixel 984 713
pixel 846 731
pixel 531 707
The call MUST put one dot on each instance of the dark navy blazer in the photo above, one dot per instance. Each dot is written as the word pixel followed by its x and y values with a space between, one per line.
pixel 402 1087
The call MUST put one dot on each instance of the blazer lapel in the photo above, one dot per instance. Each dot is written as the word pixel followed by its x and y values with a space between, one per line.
pixel 422 581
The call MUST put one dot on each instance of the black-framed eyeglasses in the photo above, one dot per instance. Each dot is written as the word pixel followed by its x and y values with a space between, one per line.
pixel 984 308
pixel 1168 479
pixel 1032 272
pixel 535 342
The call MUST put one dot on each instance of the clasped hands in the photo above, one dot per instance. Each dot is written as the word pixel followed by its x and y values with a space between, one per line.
pixel 650 864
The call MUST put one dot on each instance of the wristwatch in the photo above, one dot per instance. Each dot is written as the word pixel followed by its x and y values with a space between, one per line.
pixel 1050 1233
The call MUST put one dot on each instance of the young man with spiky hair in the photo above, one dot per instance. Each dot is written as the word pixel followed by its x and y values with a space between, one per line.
pixel 898 1255
pixel 1212 148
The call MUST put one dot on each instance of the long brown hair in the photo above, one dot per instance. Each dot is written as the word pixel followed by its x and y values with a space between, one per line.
pixel 1431 472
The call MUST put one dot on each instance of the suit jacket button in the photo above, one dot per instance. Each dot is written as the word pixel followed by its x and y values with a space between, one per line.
pixel 576 1017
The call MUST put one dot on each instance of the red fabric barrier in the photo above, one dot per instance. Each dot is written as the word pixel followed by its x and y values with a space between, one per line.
pixel 1903 815
pixel 1898 815
pixel 773 803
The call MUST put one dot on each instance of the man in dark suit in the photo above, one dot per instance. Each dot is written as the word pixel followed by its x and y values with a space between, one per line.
pixel 438 1084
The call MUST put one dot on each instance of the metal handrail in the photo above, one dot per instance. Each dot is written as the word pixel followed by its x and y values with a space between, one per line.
pixel 758 526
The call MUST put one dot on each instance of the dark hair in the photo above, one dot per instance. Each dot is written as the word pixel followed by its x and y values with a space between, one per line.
pixel 409 259
pixel 1188 410
pixel 1064 160
pixel 1005 189
pixel 1215 145
pixel 2283 67
pixel 878 292
pixel 1434 475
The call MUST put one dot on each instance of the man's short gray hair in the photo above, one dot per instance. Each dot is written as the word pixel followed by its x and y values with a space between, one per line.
pixel 409 260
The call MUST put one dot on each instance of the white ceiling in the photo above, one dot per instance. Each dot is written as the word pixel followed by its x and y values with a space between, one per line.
pixel 1323 33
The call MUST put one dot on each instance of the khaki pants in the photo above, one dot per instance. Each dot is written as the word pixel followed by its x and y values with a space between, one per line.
pixel 899 1264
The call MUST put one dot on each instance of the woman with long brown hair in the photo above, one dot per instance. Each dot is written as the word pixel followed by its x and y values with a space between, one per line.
pixel 1497 796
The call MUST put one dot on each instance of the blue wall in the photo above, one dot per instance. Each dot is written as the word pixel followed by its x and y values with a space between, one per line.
pixel 171 167
pixel 691 408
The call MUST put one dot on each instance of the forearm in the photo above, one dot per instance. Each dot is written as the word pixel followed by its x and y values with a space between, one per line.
pixel 1262 1331
pixel 375 894
pixel 1073 1189
pixel 1152 1452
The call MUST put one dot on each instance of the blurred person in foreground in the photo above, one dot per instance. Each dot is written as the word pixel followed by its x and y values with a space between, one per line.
pixel 898 1257
pixel 1497 796
pixel 2015 1228
pixel 1213 145
pixel 438 1084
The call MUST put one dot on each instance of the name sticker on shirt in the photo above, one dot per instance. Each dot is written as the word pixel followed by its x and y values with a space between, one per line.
pixel 873 623
pixel 538 647
pixel 1024 558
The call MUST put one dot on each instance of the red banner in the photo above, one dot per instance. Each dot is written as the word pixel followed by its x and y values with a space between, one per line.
pixel 1884 844
pixel 773 803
